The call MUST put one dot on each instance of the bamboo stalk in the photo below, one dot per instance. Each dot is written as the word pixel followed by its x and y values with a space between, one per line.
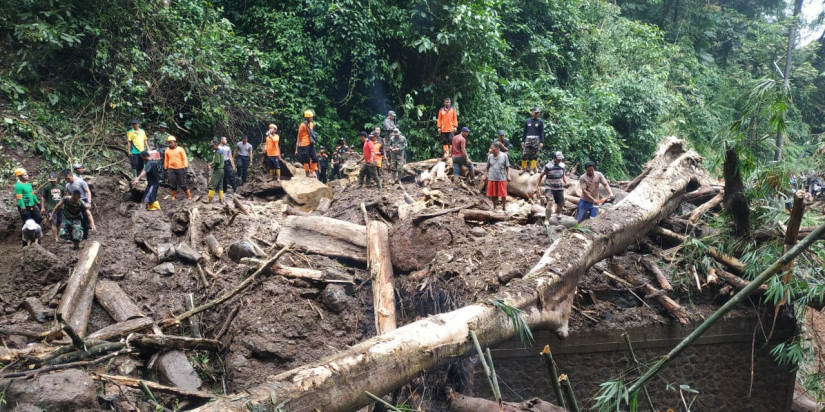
pixel 568 389
pixel 730 304
pixel 382 402
pixel 637 366
pixel 554 375
pixel 495 378
pixel 485 366
pixel 193 321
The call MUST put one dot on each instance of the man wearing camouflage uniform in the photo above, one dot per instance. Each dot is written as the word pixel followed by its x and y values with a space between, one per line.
pixel 532 141
pixel 389 123
pixel 396 147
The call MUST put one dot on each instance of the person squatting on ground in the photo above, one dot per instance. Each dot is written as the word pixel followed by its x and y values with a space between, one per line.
pixel 497 175
pixel 136 139
pixel 554 183
pixel 369 168
pixel 396 150
pixel 341 149
pixel 75 212
pixel 589 184
pixel 176 165
pixel 243 158
pixel 151 171
pixel 52 193
pixel 447 124
pixel 323 164
pixel 273 153
pixel 73 183
pixel 460 156
pixel 228 166
pixel 217 173
pixel 532 141
pixel 32 233
pixel 305 144
pixel 28 205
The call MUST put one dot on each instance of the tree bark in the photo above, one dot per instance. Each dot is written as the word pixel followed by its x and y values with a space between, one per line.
pixel 194 227
pixel 380 268
pixel 523 185
pixel 705 207
pixel 701 195
pixel 135 383
pixel 116 302
pixel 461 403
pixel 483 215
pixel 121 329
pixel 736 204
pixel 545 294
pixel 325 236
pixel 174 342
pixel 653 268
pixel 314 275
pixel 76 302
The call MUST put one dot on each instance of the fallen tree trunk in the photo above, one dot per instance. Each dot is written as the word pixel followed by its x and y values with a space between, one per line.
pixel 653 268
pixel 705 207
pixel 523 185
pixel 174 342
pixel 325 236
pixel 121 329
pixel 380 267
pixel 702 194
pixel 483 215
pixel 214 246
pixel 116 302
pixel 545 294
pixel 76 303
pixel 461 403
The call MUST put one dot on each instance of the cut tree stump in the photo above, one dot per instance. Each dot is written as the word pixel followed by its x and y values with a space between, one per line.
pixel 380 268
pixel 116 302
pixel 76 303
pixel 545 295
pixel 325 236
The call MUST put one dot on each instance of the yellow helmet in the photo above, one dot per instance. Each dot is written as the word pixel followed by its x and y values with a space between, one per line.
pixel 308 113
pixel 271 125
pixel 171 139
pixel 19 171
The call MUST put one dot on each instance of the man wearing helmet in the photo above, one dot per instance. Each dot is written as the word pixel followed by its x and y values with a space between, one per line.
pixel 176 163
pixel 28 205
pixel 136 139
pixel 305 145
pixel 273 152
pixel 589 184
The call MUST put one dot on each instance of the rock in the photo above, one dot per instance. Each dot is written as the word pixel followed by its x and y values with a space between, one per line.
pixel 185 252
pixel 147 225
pixel 166 252
pixel 335 298
pixel 178 371
pixel 443 257
pixel 17 341
pixel 237 360
pixel 266 349
pixel 67 390
pixel 42 264
pixel 478 231
pixel 240 250
pixel 506 272
pixel 36 309
pixel 165 269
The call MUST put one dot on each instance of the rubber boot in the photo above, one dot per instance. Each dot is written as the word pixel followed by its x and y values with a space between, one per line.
pixel 523 166
pixel 209 196
pixel 272 174
pixel 188 194
pixel 533 167
pixel 174 195
pixel 153 206
pixel 278 174
pixel 220 196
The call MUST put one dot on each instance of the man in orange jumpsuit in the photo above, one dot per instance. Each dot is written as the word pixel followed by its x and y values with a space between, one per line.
pixel 305 145
pixel 447 125
pixel 273 153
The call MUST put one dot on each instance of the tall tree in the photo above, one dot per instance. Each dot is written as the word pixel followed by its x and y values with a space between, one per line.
pixel 786 84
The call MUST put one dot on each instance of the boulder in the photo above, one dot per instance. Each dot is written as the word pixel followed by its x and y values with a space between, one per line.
pixel 42 264
pixel 165 269
pixel 240 250
pixel 66 390
pixel 335 298
pixel 166 252
pixel 185 252
pixel 178 371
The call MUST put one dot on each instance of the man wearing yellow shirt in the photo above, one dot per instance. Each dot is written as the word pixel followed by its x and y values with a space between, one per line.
pixel 136 139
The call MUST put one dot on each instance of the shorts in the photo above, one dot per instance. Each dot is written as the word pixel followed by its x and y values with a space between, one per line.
pixel 307 155
pixel 496 188
pixel 57 219
pixel 273 162
pixel 447 138
pixel 556 194
pixel 586 210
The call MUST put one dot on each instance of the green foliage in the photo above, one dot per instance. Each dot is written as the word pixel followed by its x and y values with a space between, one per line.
pixel 515 315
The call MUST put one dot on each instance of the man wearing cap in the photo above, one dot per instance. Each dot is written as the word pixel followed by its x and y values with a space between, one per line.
pixel 589 184
pixel 502 142
pixel 273 152
pixel 228 166
pixel 159 137
pixel 305 144
pixel 176 164
pixel 217 173
pixel 460 156
pixel 368 169
pixel 243 157
pixel 554 183
pixel 52 193
pixel 532 141
pixel 447 124
pixel 75 213
pixel 28 205
pixel 389 123
pixel 323 164
pixel 396 147
pixel 136 139
pixel 151 171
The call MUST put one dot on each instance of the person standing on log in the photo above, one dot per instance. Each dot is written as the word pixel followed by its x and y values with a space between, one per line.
pixel 74 182
pixel 176 165
pixel 589 184
pixel 497 175
pixel 52 193
pixel 136 139
pixel 323 165
pixel 273 153
pixel 368 169
pixel 243 158
pixel 396 147
pixel 151 170
pixel 389 124
pixel 341 149
pixel 28 205
pixel 305 144
pixel 532 141
pixel 75 212
pixel 447 125
pixel 502 142
pixel 460 156
pixel 217 174
pixel 228 166
pixel 554 183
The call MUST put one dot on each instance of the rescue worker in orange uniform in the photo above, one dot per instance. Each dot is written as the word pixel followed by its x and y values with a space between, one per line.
pixel 447 125
pixel 273 153
pixel 305 145
pixel 176 165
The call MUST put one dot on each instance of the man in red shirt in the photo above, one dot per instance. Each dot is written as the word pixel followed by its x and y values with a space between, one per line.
pixel 460 156
pixel 370 168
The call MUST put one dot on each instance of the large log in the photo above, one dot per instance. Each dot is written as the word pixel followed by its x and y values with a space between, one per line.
pixel 380 267
pixel 306 192
pixel 76 302
pixel 705 207
pixel 545 294
pixel 461 403
pixel 116 302
pixel 325 236
pixel 523 185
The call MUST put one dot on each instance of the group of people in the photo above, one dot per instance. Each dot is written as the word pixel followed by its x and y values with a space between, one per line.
pixel 812 182
pixel 67 207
